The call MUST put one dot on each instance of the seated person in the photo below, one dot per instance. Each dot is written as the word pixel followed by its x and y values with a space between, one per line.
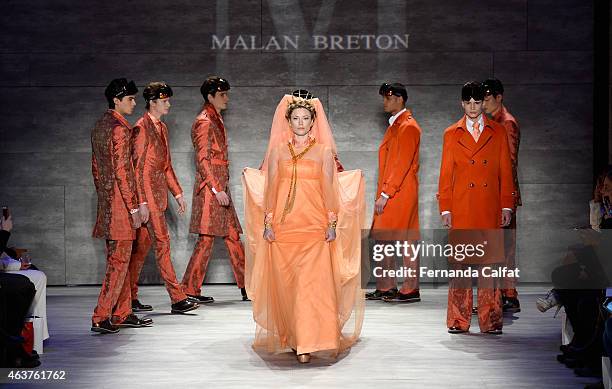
pixel 38 307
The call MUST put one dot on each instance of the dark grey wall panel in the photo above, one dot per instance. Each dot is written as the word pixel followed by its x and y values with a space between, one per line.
pixel 115 26
pixel 544 67
pixel 38 225
pixel 373 69
pixel 560 25
pixel 186 69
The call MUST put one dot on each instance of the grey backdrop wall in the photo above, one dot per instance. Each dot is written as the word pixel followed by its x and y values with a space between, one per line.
pixel 57 57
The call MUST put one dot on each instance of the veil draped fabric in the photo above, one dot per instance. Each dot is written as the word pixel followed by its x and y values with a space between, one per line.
pixel 306 292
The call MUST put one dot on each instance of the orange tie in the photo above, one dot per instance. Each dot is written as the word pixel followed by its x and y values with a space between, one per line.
pixel 476 131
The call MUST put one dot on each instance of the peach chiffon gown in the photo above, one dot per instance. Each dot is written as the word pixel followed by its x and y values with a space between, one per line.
pixel 306 292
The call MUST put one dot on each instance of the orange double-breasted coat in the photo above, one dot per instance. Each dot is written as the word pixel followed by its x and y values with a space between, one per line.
pixel 476 179
pixel 153 164
pixel 398 168
pixel 505 118
pixel 114 178
pixel 209 139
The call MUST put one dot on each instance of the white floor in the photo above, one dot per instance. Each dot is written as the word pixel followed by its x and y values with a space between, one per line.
pixel 402 346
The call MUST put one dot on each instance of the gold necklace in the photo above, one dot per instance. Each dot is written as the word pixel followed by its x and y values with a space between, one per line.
pixel 292 187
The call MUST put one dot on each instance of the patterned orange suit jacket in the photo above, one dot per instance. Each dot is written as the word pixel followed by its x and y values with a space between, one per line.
pixel 398 168
pixel 212 171
pixel 113 174
pixel 476 179
pixel 153 165
pixel 506 119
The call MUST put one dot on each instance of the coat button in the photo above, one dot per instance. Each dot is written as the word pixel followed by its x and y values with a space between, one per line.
pixel 485 185
pixel 471 184
pixel 485 161
pixel 472 161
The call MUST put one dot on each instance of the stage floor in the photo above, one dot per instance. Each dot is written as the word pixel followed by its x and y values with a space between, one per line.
pixel 405 346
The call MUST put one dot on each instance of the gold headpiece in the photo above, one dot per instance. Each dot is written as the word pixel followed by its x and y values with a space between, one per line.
pixel 299 102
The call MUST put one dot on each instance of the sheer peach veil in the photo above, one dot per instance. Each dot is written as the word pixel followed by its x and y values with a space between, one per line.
pixel 345 250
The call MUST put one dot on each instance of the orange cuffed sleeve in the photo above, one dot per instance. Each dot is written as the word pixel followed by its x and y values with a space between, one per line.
pixel 202 139
pixel 445 182
pixel 123 169
pixel 171 179
pixel 402 150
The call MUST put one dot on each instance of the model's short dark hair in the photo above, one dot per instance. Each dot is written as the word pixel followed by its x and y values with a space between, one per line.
pixel 472 90
pixel 119 88
pixel 493 86
pixel 156 90
pixel 212 85
pixel 395 89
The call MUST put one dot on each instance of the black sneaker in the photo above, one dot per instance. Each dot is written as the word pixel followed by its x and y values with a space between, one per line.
pixel 134 321
pixel 138 307
pixel 511 304
pixel 183 306
pixel 201 299
pixel 104 327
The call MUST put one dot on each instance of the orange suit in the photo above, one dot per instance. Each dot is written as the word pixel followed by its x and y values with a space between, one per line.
pixel 475 183
pixel 208 217
pixel 398 168
pixel 113 175
pixel 154 177
pixel 506 119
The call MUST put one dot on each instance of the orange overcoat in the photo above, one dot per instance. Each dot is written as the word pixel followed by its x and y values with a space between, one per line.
pixel 113 174
pixel 153 165
pixel 505 118
pixel 212 171
pixel 476 179
pixel 398 168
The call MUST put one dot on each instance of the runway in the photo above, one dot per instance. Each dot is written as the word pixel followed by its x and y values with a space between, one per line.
pixel 404 346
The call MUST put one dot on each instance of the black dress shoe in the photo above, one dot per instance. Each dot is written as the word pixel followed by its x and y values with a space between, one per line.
pixel 495 331
pixel 456 330
pixel 404 298
pixel 183 306
pixel 104 327
pixel 390 294
pixel 134 321
pixel 201 299
pixel 245 297
pixel 375 295
pixel 138 307
pixel 511 304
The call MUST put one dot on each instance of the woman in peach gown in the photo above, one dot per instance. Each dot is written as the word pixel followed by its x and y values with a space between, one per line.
pixel 303 222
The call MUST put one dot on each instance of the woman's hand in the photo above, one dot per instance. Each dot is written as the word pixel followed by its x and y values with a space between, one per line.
pixel 269 235
pixel 330 235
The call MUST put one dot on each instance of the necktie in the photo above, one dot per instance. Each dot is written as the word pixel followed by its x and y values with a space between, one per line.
pixel 476 131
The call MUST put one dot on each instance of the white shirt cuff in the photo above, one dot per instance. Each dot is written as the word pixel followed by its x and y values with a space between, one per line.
pixel 214 190
pixel 178 196
pixel 444 213
pixel 145 203
pixel 383 194
pixel 507 209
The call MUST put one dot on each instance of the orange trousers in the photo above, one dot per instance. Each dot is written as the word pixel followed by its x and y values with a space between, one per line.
pixel 509 286
pixel 158 229
pixel 114 298
pixel 410 284
pixel 198 263
pixel 460 300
